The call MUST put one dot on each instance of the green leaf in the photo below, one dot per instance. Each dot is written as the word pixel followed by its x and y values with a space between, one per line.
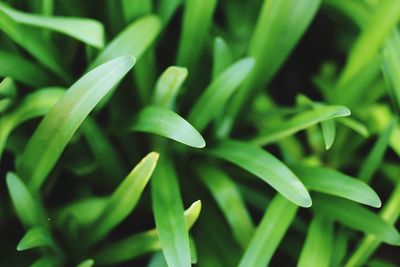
pixel 124 199
pixel 168 86
pixel 354 125
pixel 142 243
pixel 229 201
pixel 300 122
pixel 86 30
pixel 28 209
pixel 356 217
pixel 133 40
pixel 269 233
pixel 265 166
pixel 375 156
pixel 23 70
pixel 35 237
pixel 33 105
pixel 330 181
pixel 328 131
pixel 86 263
pixel 222 56
pixel 31 40
pixel 167 9
pixel 61 122
pixel 8 93
pixel 164 122
pixel 215 96
pixel 168 214
pixel 318 245
pixel 381 23
pixel 197 17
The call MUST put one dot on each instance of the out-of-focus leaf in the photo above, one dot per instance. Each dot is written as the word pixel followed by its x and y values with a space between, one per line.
pixel 168 86
pixel 375 156
pixel 356 126
pixel 215 96
pixel 142 243
pixel 197 17
pixel 229 201
pixel 269 233
pixel 329 132
pixel 164 122
pixel 167 9
pixel 8 93
pixel 168 214
pixel 317 247
pixel 23 70
pixel 330 181
pixel 265 166
pixel 356 217
pixel 124 199
pixel 300 122
pixel 35 237
pixel 222 56
pixel 133 40
pixel 28 209
pixel 86 30
pixel 86 263
pixel 61 122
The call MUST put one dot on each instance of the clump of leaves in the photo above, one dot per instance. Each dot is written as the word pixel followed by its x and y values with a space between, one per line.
pixel 188 101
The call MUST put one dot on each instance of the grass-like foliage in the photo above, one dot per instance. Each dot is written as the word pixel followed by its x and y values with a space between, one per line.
pixel 199 132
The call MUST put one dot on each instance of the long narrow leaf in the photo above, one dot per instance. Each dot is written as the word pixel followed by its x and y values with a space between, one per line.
pixel 265 166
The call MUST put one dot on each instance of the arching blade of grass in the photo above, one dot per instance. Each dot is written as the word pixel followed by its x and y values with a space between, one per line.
pixel 318 245
pixel 23 70
pixel 222 56
pixel 381 23
pixel 265 166
pixel 31 40
pixel 215 96
pixel 300 122
pixel 375 156
pixel 269 233
pixel 168 214
pixel 86 30
pixel 28 209
pixel 356 217
pixel 133 40
pixel 284 22
pixel 197 17
pixel 370 243
pixel 164 122
pixel 142 243
pixel 61 122
pixel 229 201
pixel 330 181
pixel 123 200
pixel 34 238
pixel 33 105
pixel 168 86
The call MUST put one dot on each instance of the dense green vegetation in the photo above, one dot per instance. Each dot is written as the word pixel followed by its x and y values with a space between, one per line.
pixel 216 133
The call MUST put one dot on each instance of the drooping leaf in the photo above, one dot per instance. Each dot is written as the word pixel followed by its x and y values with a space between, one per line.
pixel 86 30
pixel 124 199
pixel 269 233
pixel 168 214
pixel 318 245
pixel 265 166
pixel 328 131
pixel 164 122
pixel 215 96
pixel 229 201
pixel 356 217
pixel 330 181
pixel 300 122
pixel 61 122
pixel 356 126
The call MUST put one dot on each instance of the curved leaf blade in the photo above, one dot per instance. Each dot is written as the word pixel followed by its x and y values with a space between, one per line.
pixel 335 183
pixel 35 237
pixel 265 166
pixel 61 122
pixel 164 122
